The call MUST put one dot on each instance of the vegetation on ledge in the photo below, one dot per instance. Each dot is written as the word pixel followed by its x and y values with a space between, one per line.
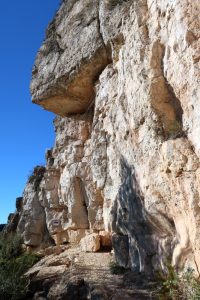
pixel 179 286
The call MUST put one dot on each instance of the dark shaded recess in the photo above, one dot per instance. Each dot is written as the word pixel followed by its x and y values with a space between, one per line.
pixel 85 200
pixel 37 176
pixel 2 226
pixel 175 102
pixel 13 220
pixel 74 290
pixel 19 203
pixel 121 245
pixel 49 157
pixel 89 112
pixel 77 290
pixel 81 196
pixel 112 3
pixel 131 221
pixel 48 241
pixel 39 288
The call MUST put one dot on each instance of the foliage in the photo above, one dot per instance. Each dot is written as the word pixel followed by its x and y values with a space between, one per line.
pixel 179 287
pixel 14 262
pixel 10 246
pixel 115 268
pixel 170 284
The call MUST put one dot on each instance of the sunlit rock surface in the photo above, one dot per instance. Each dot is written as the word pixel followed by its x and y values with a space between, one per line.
pixel 66 69
pixel 123 76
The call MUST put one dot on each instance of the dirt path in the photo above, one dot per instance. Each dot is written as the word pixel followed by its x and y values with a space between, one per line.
pixel 75 275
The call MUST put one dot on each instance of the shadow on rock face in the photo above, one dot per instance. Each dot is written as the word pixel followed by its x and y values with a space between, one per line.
pixel 76 290
pixel 131 225
pixel 2 226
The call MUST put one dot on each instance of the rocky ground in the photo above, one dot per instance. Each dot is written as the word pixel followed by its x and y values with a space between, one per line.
pixel 68 273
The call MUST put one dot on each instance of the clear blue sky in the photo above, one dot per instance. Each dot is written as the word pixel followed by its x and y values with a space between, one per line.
pixel 26 130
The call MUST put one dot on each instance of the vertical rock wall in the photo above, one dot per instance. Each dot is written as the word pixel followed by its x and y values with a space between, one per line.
pixel 124 78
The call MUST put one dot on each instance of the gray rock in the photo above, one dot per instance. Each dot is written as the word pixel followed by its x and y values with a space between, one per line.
pixel 121 248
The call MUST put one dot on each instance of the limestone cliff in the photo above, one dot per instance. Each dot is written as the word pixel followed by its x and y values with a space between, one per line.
pixel 123 78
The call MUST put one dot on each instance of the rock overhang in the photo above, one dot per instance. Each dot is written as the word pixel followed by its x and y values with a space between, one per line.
pixel 70 60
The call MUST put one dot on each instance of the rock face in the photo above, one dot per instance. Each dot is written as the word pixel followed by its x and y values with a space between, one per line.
pixel 68 84
pixel 13 218
pixel 90 243
pixel 123 76
pixel 2 226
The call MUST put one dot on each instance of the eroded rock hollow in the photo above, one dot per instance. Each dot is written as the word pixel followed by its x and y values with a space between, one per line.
pixel 123 78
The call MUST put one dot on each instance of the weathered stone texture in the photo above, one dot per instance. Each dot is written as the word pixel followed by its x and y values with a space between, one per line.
pixel 90 243
pixel 66 68
pixel 129 163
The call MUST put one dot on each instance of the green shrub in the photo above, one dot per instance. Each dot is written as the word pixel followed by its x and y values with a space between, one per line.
pixel 116 269
pixel 13 285
pixel 10 246
pixel 14 262
pixel 179 287
pixel 169 284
